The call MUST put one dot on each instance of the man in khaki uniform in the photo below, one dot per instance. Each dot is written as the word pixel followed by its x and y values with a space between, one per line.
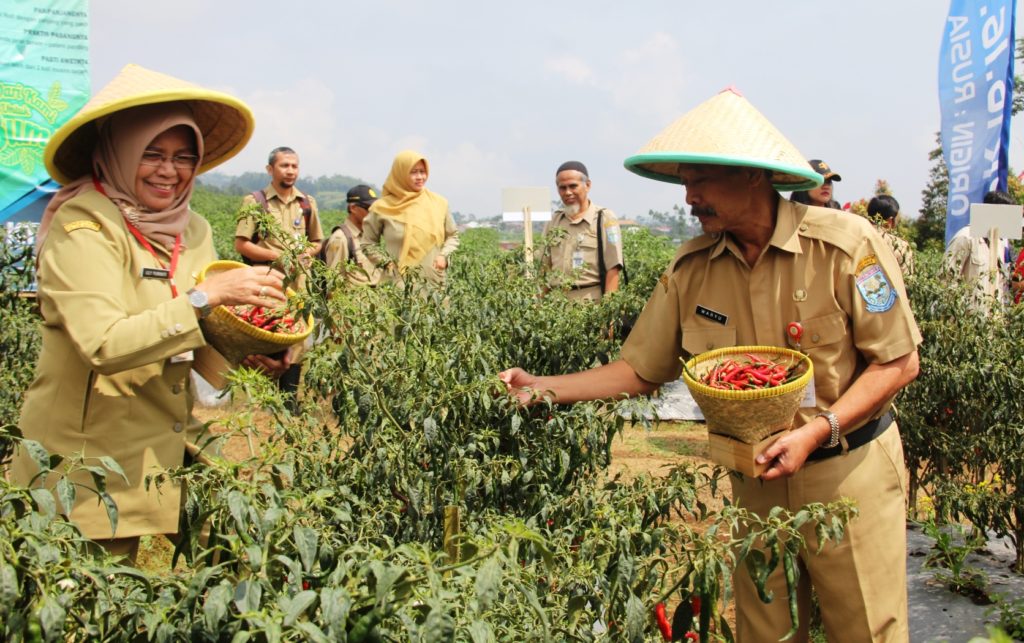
pixel 762 263
pixel 575 257
pixel 342 250
pixel 884 211
pixel 286 203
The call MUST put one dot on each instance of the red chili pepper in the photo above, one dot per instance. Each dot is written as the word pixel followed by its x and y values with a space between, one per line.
pixel 663 624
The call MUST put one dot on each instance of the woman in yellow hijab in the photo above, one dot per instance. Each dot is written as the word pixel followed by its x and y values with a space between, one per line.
pixel 415 224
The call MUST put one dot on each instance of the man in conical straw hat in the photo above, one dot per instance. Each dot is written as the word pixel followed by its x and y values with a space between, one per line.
pixel 763 263
pixel 118 254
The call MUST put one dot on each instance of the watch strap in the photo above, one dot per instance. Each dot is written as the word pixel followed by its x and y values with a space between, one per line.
pixel 833 424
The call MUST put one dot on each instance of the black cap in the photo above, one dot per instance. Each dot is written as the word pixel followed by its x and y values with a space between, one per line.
pixel 822 168
pixel 573 165
pixel 362 195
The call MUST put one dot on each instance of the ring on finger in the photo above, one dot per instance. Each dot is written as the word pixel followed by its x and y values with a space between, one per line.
pixel 263 291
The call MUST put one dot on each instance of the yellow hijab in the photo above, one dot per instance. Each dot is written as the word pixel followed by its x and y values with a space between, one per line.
pixel 423 212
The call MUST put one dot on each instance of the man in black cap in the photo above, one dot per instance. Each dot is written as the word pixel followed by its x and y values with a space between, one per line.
pixel 589 256
pixel 342 250
pixel 820 196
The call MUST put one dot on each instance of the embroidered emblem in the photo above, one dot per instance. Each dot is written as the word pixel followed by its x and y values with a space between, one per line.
pixel 874 285
pixel 372 193
pixel 79 225
pixel 713 315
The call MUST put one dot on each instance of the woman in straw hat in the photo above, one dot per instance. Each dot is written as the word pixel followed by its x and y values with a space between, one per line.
pixel 118 251
pixel 415 223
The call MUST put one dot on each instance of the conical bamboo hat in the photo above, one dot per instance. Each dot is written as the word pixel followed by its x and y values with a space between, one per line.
pixel 226 122
pixel 725 130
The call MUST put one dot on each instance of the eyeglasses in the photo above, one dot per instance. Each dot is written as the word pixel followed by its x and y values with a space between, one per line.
pixel 180 161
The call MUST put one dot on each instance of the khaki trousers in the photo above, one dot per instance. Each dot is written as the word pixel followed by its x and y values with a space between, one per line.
pixel 861 583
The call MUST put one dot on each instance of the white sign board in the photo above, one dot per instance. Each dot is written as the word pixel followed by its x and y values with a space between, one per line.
pixel 515 200
pixel 1006 219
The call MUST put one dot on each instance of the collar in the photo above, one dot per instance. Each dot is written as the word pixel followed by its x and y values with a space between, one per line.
pixel 271 193
pixel 785 236
pixel 589 215
pixel 356 232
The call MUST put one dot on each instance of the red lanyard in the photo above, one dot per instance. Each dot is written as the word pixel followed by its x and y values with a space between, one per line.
pixel 145 244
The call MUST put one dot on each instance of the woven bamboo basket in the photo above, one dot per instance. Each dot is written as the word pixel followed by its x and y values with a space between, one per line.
pixel 748 416
pixel 236 339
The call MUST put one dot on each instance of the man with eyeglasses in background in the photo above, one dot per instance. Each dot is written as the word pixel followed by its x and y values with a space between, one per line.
pixel 296 214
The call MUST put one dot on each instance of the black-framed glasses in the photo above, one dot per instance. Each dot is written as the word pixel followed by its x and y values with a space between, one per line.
pixel 180 161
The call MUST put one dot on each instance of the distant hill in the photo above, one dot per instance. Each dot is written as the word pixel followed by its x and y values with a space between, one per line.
pixel 329 191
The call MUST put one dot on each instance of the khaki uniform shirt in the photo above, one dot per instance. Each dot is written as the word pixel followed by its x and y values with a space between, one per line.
pixel 575 256
pixel 288 214
pixel 358 271
pixel 377 227
pixel 901 250
pixel 823 268
pixel 108 382
pixel 970 259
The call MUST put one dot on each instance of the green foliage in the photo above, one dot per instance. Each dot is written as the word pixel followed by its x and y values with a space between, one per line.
pixel 340 526
pixel 19 332
pixel 1011 616
pixel 962 419
pixel 931 224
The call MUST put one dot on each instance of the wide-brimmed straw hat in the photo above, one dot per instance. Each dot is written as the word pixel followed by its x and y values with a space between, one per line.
pixel 725 130
pixel 226 122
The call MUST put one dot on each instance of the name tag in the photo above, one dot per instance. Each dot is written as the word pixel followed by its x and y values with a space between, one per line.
pixel 713 315
pixel 156 273
pixel 187 356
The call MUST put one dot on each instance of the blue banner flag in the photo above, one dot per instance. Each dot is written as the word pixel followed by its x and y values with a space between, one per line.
pixel 44 80
pixel 975 95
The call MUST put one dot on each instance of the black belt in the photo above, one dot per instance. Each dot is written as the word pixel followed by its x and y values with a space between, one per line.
pixel 855 439
pixel 584 287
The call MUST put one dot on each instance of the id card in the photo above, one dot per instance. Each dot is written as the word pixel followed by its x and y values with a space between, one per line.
pixel 810 398
pixel 187 356
pixel 577 259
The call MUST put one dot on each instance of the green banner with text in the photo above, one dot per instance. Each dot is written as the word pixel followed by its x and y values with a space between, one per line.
pixel 44 80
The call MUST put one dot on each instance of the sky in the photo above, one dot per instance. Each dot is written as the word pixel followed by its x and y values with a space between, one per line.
pixel 497 95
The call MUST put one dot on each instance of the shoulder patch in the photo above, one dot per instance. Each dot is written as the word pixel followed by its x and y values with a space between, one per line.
pixel 611 231
pixel 83 224
pixel 874 286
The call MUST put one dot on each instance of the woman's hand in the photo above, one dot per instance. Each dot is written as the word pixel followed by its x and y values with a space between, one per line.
pixel 268 365
pixel 256 285
pixel 440 263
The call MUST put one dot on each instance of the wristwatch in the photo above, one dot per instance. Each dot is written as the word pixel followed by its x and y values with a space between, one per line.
pixel 201 302
pixel 833 423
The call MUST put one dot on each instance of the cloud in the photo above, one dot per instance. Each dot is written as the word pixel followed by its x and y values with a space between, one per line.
pixel 301 115
pixel 571 68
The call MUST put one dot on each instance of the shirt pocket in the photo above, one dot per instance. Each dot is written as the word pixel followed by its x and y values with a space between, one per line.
pixel 700 340
pixel 824 330
pixel 587 241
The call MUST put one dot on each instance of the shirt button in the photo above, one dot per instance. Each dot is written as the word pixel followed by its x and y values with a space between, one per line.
pixel 176 389
pixel 803 227
pixel 710 345
pixel 815 338
pixel 178 427
pixel 164 334
pixel 179 327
